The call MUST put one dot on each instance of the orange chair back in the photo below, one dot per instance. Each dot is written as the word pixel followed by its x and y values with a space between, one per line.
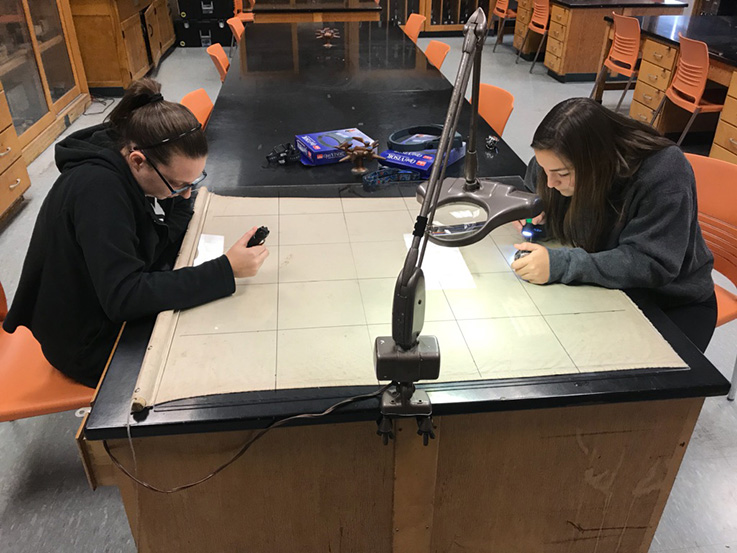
pixel 29 386
pixel 495 106
pixel 540 16
pixel 199 103
pixel 238 6
pixel 716 187
pixel 414 25
pixel 692 69
pixel 625 48
pixel 218 57
pixel 436 52
pixel 500 8
pixel 236 27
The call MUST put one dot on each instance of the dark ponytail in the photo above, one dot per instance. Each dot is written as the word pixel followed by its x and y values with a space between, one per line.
pixel 144 119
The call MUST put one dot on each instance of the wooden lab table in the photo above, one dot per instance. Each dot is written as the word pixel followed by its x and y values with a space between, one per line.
pixel 576 31
pixel 659 59
pixel 563 461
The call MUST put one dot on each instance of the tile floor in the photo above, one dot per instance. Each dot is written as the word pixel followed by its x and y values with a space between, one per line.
pixel 46 506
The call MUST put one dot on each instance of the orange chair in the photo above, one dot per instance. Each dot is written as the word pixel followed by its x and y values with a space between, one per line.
pixel 687 88
pixel 502 12
pixel 218 57
pixel 237 29
pixel 414 25
pixel 623 54
pixel 538 24
pixel 436 52
pixel 29 386
pixel 199 103
pixel 495 106
pixel 716 190
pixel 246 16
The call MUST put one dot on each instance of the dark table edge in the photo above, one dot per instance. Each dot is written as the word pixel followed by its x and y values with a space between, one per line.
pixel 701 379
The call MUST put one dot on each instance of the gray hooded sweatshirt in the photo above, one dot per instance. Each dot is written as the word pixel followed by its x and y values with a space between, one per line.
pixel 657 246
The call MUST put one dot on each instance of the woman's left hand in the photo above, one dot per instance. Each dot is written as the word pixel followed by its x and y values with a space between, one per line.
pixel 535 266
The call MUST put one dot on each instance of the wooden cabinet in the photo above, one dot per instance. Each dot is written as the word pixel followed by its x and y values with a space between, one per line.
pixel 524 14
pixel 121 40
pixel 13 175
pixel 573 51
pixel 725 138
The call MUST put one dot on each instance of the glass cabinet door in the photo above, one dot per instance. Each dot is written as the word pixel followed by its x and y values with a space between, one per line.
pixel 18 68
pixel 54 54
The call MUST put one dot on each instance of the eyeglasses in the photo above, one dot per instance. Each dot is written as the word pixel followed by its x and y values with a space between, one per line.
pixel 174 191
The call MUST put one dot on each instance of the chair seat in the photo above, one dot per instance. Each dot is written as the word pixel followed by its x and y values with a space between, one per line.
pixel 29 385
pixel 245 17
pixel 726 305
pixel 616 68
pixel 704 105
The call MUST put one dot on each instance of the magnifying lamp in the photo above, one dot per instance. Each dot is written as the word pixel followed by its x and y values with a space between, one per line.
pixel 454 212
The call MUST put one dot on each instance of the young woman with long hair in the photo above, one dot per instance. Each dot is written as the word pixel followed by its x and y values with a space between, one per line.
pixel 622 200
pixel 100 246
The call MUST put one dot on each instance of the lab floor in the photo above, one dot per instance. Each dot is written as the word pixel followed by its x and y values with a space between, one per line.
pixel 46 505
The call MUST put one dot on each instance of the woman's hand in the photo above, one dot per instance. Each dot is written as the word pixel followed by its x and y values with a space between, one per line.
pixel 246 261
pixel 539 220
pixel 535 266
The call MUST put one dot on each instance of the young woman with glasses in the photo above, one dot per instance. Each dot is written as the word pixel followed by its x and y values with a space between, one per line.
pixel 100 249
pixel 622 200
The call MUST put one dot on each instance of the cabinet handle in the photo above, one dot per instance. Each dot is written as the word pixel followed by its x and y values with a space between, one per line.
pixel 657 55
pixel 652 77
pixel 150 30
pixel 555 33
pixel 15 184
pixel 558 17
pixel 6 152
pixel 641 116
pixel 732 141
pixel 647 97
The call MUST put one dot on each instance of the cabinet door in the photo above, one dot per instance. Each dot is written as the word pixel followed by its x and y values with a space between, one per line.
pixel 135 47
pixel 57 65
pixel 19 71
pixel 154 36
pixel 166 27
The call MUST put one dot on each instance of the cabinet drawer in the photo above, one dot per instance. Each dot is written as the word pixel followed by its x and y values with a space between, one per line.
pixel 720 153
pixel 552 63
pixel 523 15
pixel 726 137
pixel 641 112
pixel 733 86
pixel 13 183
pixel 524 4
pixel 127 8
pixel 555 47
pixel 5 118
pixel 557 31
pixel 648 95
pixel 659 54
pixel 729 112
pixel 654 75
pixel 559 15
pixel 9 148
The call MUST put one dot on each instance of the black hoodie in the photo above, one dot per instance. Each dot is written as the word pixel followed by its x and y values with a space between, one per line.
pixel 95 259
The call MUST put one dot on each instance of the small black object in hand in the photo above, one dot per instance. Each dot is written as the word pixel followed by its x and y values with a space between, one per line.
pixel 259 237
pixel 521 253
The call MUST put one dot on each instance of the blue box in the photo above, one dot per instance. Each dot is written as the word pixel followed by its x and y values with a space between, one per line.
pixel 419 161
pixel 321 148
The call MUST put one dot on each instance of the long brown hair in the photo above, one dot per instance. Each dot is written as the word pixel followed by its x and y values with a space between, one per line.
pixel 604 149
pixel 144 119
